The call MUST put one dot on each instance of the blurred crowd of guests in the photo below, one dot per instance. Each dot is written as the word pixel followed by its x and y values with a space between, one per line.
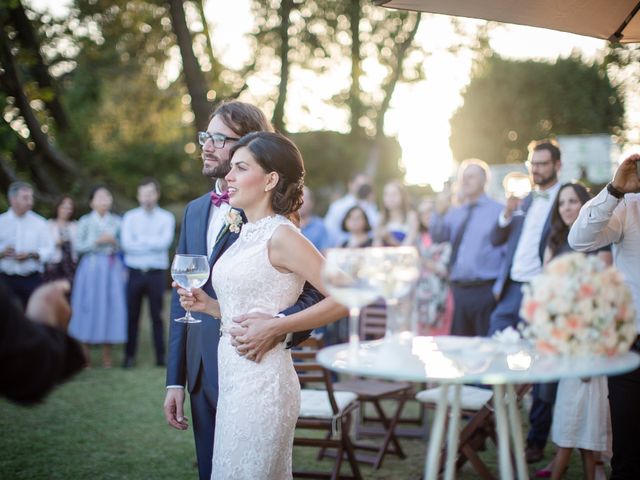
pixel 476 254
pixel 111 262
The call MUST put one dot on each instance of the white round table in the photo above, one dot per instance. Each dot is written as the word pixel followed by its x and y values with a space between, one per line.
pixel 453 361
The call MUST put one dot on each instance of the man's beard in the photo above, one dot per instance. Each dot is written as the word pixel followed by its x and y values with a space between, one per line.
pixel 219 171
pixel 546 180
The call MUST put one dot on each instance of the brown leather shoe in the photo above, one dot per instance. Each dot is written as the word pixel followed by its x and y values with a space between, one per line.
pixel 533 454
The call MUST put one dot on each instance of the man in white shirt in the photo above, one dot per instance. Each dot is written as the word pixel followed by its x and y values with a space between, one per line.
pixel 25 243
pixel 613 217
pixel 360 193
pixel 146 235
pixel 526 234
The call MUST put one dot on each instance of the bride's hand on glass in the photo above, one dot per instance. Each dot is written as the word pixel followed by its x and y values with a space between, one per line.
pixel 197 300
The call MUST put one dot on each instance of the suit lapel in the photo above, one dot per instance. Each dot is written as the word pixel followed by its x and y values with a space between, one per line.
pixel 225 241
pixel 201 222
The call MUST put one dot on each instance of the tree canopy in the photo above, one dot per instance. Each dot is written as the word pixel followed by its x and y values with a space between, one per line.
pixel 508 103
pixel 117 89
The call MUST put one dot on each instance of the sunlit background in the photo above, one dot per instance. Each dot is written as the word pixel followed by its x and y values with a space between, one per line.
pixel 420 112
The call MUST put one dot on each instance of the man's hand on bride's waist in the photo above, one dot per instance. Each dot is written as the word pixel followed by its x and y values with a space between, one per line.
pixel 253 335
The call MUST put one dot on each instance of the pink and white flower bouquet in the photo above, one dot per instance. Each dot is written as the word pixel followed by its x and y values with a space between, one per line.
pixel 578 306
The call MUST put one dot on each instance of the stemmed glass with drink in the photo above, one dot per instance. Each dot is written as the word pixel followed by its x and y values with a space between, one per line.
pixel 189 271
pixel 397 270
pixel 518 185
pixel 348 277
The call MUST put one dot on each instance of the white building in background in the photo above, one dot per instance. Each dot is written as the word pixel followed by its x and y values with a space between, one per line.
pixel 592 157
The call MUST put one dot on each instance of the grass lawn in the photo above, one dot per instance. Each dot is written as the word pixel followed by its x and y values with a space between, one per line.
pixel 109 424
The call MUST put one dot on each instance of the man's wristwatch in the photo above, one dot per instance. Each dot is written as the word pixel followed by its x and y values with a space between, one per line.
pixel 614 192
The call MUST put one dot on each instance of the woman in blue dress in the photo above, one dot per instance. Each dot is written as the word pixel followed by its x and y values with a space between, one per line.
pixel 98 297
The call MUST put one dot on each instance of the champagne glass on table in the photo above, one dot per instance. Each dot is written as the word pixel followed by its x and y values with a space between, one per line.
pixel 396 274
pixel 347 277
pixel 189 271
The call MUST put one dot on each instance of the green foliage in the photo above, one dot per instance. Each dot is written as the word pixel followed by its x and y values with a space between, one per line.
pixel 331 158
pixel 508 103
pixel 320 41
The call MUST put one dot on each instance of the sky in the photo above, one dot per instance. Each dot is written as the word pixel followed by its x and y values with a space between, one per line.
pixel 419 113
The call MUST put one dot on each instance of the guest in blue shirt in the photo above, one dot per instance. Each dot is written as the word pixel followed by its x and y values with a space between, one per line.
pixel 474 263
pixel 311 225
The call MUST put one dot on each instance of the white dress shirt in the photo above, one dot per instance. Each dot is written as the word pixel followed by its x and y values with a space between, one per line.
pixel 605 220
pixel 26 234
pixel 145 238
pixel 216 220
pixel 526 259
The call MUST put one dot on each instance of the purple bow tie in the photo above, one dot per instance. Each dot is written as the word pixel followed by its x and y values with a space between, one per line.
pixel 218 200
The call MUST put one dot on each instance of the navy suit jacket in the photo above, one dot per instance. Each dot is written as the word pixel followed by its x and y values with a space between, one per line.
pixel 195 346
pixel 511 236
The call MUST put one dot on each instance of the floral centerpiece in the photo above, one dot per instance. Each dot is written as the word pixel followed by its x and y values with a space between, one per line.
pixel 579 306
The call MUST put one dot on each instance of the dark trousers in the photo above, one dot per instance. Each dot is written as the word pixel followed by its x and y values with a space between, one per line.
pixel 473 304
pixel 624 402
pixel 507 311
pixel 22 287
pixel 507 314
pixel 151 284
pixel 203 411
pixel 541 413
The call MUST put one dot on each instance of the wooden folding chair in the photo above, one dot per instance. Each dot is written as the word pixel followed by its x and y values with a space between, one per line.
pixel 476 405
pixel 321 408
pixel 372 325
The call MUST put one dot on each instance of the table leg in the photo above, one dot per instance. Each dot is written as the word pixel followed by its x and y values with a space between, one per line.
pixel 516 433
pixel 436 434
pixel 502 428
pixel 453 438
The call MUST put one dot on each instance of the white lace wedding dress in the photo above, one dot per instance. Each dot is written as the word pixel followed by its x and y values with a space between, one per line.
pixel 258 403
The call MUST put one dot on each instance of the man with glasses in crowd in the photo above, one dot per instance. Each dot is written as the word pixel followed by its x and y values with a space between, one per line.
pixel 193 348
pixel 525 235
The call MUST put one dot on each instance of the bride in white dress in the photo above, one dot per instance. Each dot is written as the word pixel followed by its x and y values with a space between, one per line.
pixel 264 270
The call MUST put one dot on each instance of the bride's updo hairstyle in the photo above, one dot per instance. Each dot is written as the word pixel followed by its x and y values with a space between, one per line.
pixel 276 153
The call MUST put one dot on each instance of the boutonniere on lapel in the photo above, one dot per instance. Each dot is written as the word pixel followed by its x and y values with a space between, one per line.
pixel 233 221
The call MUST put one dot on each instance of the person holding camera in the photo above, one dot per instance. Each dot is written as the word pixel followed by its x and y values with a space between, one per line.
pixel 613 217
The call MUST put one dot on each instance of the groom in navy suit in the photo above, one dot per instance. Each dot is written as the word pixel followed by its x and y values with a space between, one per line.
pixel 526 234
pixel 193 348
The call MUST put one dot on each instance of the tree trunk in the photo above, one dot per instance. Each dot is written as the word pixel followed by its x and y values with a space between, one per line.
pixel 355 103
pixel 7 175
pixel 390 85
pixel 278 112
pixel 375 153
pixel 39 69
pixel 196 83
pixel 43 181
pixel 12 84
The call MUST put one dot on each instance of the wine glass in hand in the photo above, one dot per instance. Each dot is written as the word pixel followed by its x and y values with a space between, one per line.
pixel 189 271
